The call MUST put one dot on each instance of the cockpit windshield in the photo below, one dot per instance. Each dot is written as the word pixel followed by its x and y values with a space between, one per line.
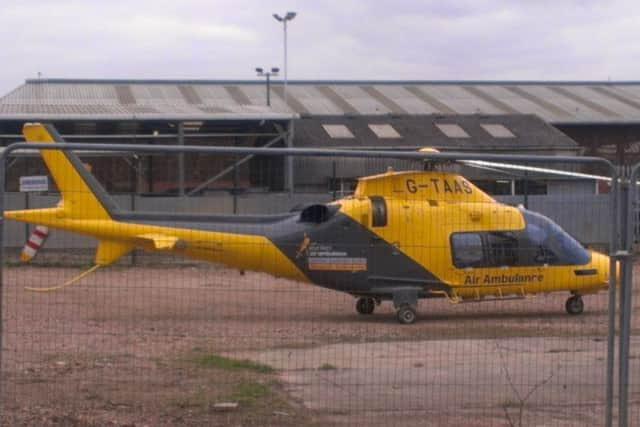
pixel 541 242
pixel 552 243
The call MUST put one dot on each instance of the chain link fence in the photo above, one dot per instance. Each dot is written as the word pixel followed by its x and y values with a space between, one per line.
pixel 164 337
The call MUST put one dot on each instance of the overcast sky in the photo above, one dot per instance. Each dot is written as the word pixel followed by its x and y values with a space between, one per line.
pixel 341 39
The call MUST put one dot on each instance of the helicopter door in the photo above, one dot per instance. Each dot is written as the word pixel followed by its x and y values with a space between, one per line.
pixel 476 254
pixel 378 211
pixel 378 248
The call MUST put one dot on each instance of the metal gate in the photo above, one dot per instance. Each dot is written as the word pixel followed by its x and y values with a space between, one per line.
pixel 629 341
pixel 192 344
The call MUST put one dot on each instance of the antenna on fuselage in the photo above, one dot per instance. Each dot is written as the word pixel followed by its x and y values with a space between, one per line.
pixel 429 164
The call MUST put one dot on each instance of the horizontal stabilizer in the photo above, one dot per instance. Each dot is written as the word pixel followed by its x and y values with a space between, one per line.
pixel 160 242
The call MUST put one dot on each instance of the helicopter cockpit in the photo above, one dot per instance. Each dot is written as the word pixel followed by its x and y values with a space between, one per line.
pixel 541 242
pixel 557 246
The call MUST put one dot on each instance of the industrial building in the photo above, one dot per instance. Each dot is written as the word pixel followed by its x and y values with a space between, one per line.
pixel 594 118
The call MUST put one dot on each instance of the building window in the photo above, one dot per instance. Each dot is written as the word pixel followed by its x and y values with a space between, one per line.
pixel 342 186
pixel 497 130
pixel 507 187
pixel 452 130
pixel 527 186
pixel 85 128
pixel 191 126
pixel 385 131
pixel 500 187
pixel 337 131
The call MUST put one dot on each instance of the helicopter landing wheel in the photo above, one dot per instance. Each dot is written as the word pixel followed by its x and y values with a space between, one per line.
pixel 365 305
pixel 406 314
pixel 574 305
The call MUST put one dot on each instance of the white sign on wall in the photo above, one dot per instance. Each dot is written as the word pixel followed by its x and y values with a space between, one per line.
pixel 34 183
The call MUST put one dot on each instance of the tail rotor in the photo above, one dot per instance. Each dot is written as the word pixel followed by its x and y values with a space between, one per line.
pixel 34 243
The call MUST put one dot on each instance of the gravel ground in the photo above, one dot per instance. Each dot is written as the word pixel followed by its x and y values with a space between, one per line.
pixel 121 348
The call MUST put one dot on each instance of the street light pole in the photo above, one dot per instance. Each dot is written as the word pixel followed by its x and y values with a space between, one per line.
pixel 274 72
pixel 268 89
pixel 288 17
pixel 284 89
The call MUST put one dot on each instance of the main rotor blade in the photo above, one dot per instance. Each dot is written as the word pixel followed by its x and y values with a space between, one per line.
pixel 495 170
pixel 485 164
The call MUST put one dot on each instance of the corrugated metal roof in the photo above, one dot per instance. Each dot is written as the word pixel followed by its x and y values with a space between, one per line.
pixel 556 102
pixel 448 132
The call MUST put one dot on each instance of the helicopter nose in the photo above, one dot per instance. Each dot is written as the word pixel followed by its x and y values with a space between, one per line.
pixel 616 266
pixel 602 265
pixel 606 267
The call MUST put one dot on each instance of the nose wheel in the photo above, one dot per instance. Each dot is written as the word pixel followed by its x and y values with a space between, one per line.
pixel 365 305
pixel 406 314
pixel 574 305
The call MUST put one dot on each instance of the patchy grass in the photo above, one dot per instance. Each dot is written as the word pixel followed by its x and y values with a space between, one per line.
pixel 208 378
pixel 326 367
pixel 213 360
pixel 249 392
pixel 558 350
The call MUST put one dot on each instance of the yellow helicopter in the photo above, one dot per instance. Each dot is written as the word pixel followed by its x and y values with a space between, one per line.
pixel 400 237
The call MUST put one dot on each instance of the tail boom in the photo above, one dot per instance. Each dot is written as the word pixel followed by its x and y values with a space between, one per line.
pixel 86 208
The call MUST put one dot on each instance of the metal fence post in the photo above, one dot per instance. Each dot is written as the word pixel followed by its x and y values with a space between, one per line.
pixel 614 243
pixel 289 185
pixel 3 159
pixel 181 180
pixel 626 282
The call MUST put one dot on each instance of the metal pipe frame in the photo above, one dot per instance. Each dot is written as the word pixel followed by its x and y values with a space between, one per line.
pixel 614 238
pixel 614 244
pixel 289 178
pixel 151 136
pixel 308 152
pixel 234 166
pixel 237 116
pixel 181 160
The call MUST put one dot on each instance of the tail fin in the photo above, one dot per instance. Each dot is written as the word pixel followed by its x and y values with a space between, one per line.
pixel 82 195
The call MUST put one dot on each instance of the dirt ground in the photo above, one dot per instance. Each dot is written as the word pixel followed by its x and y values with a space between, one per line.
pixel 161 346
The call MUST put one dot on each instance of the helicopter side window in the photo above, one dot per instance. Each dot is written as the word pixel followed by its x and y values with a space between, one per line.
pixel 379 211
pixel 502 248
pixel 467 249
pixel 487 249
